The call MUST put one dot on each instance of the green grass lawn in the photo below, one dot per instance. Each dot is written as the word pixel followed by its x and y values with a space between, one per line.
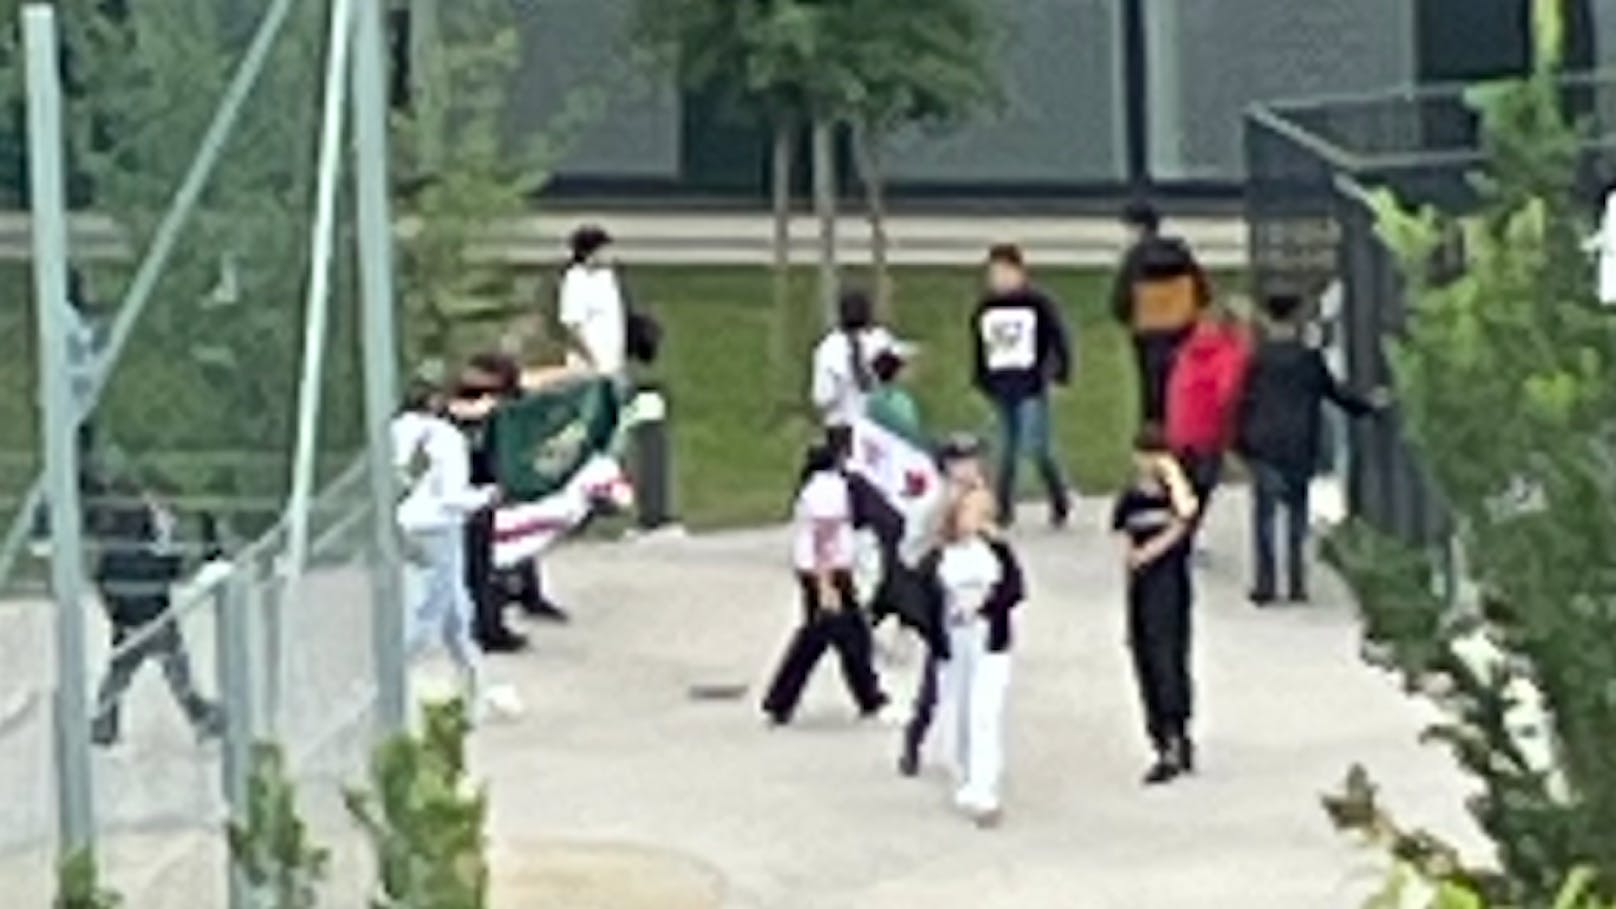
pixel 736 447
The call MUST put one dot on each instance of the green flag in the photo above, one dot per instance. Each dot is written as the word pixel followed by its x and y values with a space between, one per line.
pixel 540 441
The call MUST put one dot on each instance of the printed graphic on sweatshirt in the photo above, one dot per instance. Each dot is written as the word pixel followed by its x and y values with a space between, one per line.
pixel 1010 339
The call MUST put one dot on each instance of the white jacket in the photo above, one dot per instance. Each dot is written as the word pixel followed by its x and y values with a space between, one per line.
pixel 443 496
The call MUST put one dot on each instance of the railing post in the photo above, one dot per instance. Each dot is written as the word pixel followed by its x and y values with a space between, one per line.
pixel 60 417
pixel 233 656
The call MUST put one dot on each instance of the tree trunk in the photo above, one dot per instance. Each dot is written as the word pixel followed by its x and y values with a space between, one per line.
pixel 824 143
pixel 785 346
pixel 872 174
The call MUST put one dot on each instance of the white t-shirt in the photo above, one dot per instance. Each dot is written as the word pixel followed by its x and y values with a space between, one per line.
pixel 592 307
pixel 968 572
pixel 835 389
pixel 1010 338
pixel 443 496
pixel 824 537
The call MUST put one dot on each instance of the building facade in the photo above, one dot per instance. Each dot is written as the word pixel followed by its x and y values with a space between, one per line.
pixel 1102 96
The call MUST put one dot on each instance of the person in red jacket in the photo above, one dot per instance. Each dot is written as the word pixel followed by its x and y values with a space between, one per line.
pixel 1203 400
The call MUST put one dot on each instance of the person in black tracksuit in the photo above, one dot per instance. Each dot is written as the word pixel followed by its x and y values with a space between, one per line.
pixel 1158 292
pixel 831 618
pixel 135 570
pixel 1021 347
pixel 489 380
pixel 1155 515
pixel 1279 430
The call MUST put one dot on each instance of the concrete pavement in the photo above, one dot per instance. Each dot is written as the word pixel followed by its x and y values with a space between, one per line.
pixel 617 774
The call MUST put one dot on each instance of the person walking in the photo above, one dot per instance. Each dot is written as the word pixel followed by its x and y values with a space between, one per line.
pixel 1021 346
pixel 1279 430
pixel 823 557
pixel 138 564
pixel 434 462
pixel 1155 516
pixel 1158 294
pixel 1203 402
pixel 592 309
pixel 844 362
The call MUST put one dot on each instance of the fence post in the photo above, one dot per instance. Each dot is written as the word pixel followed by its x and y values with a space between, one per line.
pixel 49 217
pixel 381 359
pixel 233 657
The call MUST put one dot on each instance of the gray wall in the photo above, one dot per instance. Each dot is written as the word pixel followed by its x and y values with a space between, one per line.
pixel 572 44
pixel 1062 119
pixel 1209 59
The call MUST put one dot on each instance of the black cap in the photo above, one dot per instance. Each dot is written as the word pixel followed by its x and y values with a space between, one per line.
pixel 1140 213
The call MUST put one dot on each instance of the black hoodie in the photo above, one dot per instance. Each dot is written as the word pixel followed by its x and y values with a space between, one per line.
pixel 1020 345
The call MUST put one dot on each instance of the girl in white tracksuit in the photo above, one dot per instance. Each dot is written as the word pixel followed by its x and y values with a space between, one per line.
pixel 978 583
pixel 434 461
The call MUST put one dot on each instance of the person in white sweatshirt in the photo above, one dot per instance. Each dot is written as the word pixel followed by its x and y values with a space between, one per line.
pixel 434 463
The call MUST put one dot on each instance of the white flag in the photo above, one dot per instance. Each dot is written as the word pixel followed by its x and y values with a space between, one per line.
pixel 524 530
pixel 906 475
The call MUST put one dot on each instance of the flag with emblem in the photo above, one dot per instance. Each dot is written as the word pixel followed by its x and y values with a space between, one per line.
pixel 898 462
pixel 553 464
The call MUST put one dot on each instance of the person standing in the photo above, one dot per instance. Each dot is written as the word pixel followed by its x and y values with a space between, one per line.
pixel 1158 293
pixel 844 362
pixel 135 571
pixel 1021 346
pixel 823 556
pixel 1279 421
pixel 592 308
pixel 1203 402
pixel 434 461
pixel 488 381
pixel 1155 516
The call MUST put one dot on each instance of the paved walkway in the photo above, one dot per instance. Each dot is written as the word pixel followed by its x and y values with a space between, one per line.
pixel 615 759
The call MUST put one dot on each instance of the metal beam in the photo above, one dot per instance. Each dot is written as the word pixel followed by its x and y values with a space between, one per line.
pixel 378 309
pixel 317 313
pixel 48 200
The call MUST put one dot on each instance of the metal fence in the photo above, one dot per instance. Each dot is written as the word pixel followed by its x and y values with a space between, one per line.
pixel 237 375
pixel 1312 166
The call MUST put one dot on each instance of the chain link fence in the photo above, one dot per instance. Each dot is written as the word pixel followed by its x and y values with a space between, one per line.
pixel 193 139
pixel 1313 165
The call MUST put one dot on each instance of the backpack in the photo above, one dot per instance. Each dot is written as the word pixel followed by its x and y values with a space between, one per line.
pixel 1204 391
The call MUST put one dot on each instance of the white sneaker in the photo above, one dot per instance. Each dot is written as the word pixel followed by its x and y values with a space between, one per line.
pixel 501 702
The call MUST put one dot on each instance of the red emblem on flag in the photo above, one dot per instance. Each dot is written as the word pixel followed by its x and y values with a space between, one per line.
pixel 914 484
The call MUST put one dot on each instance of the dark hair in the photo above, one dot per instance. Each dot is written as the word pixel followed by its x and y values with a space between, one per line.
pixel 506 372
pixel 887 366
pixel 819 458
pixel 419 395
pixel 1151 439
pixel 1282 307
pixel 856 313
pixel 1007 254
pixel 588 240
pixel 959 446
pixel 1143 215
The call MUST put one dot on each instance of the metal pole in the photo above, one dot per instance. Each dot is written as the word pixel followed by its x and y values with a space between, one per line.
pixel 162 245
pixel 381 358
pixel 234 660
pixel 49 218
pixel 427 85
pixel 319 299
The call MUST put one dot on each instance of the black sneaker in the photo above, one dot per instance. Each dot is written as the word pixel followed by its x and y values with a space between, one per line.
pixel 1261 598
pixel 1060 514
pixel 546 611
pixel 1163 771
pixel 1186 754
pixel 209 723
pixel 1300 597
pixel 503 641
pixel 103 735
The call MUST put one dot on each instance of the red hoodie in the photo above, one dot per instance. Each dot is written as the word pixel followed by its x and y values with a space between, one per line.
pixel 1203 392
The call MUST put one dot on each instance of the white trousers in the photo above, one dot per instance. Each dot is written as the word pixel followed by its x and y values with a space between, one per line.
pixel 443 610
pixel 971 688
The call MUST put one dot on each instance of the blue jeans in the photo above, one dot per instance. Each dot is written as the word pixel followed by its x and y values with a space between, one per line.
pixel 444 612
pixel 1024 428
pixel 1275 488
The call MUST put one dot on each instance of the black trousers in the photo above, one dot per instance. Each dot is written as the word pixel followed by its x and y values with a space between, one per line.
pixel 923 710
pixel 846 631
pixel 1204 473
pixel 1155 353
pixel 1159 599
pixel 167 646
pixel 487 597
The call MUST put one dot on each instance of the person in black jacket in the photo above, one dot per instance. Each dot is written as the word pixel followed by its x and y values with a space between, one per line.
pixel 1158 293
pixel 137 565
pixel 1279 432
pixel 1021 346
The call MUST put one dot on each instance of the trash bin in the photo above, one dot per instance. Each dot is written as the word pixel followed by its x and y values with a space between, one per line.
pixel 650 452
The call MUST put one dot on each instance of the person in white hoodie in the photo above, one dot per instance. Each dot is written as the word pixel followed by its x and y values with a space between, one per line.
pixel 434 462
